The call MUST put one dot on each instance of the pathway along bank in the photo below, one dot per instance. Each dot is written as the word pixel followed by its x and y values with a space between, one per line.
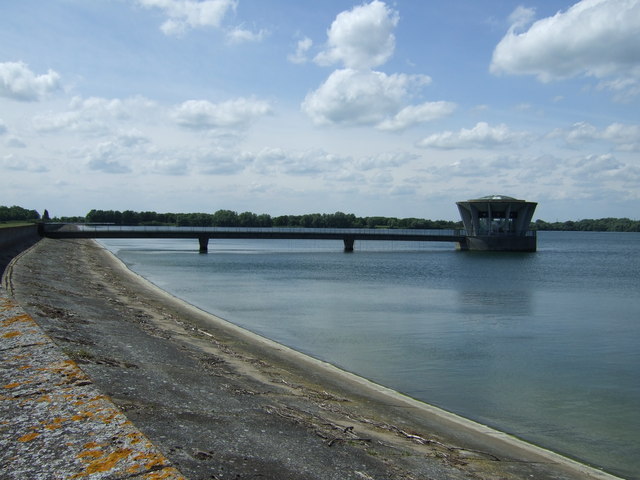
pixel 222 403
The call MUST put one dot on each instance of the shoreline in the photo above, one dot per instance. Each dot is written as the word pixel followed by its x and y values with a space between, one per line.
pixel 385 415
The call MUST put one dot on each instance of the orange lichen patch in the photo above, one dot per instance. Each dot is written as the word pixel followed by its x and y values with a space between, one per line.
pixel 15 333
pixel 81 416
pixel 28 437
pixel 91 454
pixel 98 398
pixel 106 463
pixel 44 398
pixel 153 460
pixel 6 304
pixel 90 445
pixel 56 423
pixel 134 469
pixel 135 438
pixel 12 385
pixel 107 418
pixel 18 318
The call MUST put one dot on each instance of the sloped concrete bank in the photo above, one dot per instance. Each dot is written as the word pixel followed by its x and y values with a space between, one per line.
pixel 222 403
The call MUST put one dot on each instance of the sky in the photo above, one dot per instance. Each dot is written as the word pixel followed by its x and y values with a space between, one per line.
pixel 395 108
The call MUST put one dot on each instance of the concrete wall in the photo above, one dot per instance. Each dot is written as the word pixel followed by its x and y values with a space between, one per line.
pixel 14 240
pixel 502 243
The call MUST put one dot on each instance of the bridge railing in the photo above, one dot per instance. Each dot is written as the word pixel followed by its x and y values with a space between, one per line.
pixel 213 230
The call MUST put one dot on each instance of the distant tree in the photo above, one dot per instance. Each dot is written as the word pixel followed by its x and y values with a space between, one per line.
pixel 129 217
pixel 45 216
pixel 16 213
pixel 247 219
pixel 225 218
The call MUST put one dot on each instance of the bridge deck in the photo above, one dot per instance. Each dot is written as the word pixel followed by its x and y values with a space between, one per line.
pixel 348 235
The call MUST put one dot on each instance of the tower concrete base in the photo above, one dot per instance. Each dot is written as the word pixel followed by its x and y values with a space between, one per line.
pixel 495 243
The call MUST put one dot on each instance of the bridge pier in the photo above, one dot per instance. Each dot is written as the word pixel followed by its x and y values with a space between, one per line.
pixel 204 244
pixel 348 244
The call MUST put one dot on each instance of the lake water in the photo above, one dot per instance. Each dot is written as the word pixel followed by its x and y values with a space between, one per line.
pixel 545 345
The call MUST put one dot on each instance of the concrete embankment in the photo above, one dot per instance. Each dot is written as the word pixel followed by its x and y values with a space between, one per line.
pixel 54 423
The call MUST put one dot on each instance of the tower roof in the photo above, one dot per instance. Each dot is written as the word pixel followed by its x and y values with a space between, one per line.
pixel 498 198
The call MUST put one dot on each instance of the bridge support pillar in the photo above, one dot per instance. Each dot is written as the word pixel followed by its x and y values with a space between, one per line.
pixel 348 244
pixel 204 244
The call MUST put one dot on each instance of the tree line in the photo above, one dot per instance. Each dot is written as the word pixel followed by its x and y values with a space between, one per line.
pixel 229 218
pixel 608 224
pixel 18 214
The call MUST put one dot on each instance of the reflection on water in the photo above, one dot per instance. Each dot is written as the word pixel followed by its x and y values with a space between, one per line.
pixel 542 345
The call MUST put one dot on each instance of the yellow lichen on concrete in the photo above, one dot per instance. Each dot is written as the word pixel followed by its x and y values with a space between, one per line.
pixel 135 438
pixel 6 304
pixel 91 454
pixel 55 424
pixel 16 319
pixel 12 334
pixel 105 463
pixel 91 445
pixel 28 437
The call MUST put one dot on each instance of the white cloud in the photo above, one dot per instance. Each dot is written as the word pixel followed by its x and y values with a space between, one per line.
pixel 204 115
pixel 170 166
pixel 362 37
pixel 17 82
pixel 482 135
pixel 278 161
pixel 302 47
pixel 521 17
pixel 21 164
pixel 109 157
pixel 624 137
pixel 360 97
pixel 187 14
pixel 95 115
pixel 414 114
pixel 241 35
pixel 15 142
pixel 3 127
pixel 597 38
pixel 120 152
pixel 223 162
pixel 596 166
pixel 384 161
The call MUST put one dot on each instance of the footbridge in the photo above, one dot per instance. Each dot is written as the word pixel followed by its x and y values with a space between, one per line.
pixel 204 234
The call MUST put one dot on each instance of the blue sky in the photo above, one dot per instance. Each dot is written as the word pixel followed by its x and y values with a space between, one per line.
pixel 397 108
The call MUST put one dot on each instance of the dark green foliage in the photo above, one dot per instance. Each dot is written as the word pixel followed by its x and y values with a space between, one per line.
pixel 591 225
pixel 229 218
pixel 15 213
